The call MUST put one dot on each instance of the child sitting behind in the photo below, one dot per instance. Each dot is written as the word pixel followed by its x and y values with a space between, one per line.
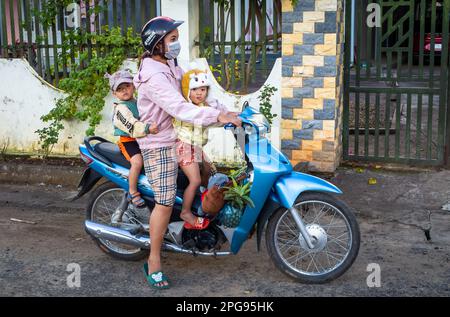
pixel 191 139
pixel 128 127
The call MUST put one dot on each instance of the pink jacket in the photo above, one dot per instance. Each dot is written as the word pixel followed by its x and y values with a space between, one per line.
pixel 160 100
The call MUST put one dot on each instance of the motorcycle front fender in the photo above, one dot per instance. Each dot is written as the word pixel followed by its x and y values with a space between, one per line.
pixel 289 187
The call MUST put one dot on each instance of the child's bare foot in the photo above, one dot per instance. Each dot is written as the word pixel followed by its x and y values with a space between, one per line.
pixel 188 216
pixel 193 222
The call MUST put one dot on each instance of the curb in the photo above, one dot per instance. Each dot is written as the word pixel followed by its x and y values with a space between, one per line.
pixel 38 173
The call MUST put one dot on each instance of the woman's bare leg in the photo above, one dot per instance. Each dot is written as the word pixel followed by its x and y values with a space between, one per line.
pixel 159 220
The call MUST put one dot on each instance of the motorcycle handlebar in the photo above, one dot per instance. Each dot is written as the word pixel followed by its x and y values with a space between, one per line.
pixel 229 126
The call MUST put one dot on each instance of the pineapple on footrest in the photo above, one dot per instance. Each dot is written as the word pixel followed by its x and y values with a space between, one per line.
pixel 236 197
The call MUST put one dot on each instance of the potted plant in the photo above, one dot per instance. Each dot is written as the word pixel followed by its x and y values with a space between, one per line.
pixel 237 197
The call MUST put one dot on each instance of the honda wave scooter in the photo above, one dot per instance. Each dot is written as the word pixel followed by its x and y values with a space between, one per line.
pixel 310 234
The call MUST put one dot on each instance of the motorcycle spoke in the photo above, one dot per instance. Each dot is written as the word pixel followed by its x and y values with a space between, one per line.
pixel 334 240
pixel 309 264
pixel 334 253
pixel 105 217
pixel 307 216
pixel 298 256
pixel 337 238
pixel 104 211
pixel 291 223
pixel 337 259
pixel 316 262
pixel 333 226
pixel 289 229
pixel 319 215
pixel 287 232
pixel 116 200
pixel 286 241
pixel 332 219
pixel 291 254
pixel 287 246
pixel 105 220
pixel 328 257
pixel 109 208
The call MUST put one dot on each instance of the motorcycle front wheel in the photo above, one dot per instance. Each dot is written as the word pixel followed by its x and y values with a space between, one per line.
pixel 102 203
pixel 334 232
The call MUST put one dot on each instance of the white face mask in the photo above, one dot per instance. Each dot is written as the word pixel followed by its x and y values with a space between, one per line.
pixel 173 50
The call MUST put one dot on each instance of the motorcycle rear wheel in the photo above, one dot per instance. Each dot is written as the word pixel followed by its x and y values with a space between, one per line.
pixel 335 233
pixel 102 203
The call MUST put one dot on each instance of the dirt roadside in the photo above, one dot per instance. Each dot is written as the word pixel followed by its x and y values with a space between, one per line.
pixel 394 215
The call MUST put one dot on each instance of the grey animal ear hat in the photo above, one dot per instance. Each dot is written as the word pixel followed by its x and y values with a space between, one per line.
pixel 119 77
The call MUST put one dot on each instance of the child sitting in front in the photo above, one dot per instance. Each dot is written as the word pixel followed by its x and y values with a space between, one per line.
pixel 128 127
pixel 191 139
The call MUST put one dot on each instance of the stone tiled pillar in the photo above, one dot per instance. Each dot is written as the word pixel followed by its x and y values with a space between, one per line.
pixel 312 82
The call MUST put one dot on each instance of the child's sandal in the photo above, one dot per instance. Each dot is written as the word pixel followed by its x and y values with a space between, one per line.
pixel 200 224
pixel 132 198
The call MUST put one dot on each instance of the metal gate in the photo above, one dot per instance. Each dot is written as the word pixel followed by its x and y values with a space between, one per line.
pixel 396 81
pixel 241 40
pixel 38 30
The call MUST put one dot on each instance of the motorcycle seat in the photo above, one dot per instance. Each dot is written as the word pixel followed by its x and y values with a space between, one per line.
pixel 112 152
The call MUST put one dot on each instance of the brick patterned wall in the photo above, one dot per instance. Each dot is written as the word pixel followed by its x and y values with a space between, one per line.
pixel 312 82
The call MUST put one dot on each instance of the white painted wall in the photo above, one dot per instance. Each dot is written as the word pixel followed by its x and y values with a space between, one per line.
pixel 25 97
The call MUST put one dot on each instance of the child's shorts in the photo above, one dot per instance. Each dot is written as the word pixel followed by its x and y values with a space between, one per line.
pixel 129 147
pixel 188 154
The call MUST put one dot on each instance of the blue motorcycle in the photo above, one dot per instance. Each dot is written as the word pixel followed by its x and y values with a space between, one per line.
pixel 310 234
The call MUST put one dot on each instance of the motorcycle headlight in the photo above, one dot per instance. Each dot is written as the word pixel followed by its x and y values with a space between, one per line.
pixel 263 132
pixel 262 123
pixel 249 129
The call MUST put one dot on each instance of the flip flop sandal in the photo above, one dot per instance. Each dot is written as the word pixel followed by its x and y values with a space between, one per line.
pixel 155 278
pixel 139 203
pixel 200 224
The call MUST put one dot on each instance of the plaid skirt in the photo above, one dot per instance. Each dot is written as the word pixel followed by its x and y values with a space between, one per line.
pixel 161 169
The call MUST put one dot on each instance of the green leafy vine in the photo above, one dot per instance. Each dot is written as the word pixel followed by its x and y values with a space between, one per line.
pixel 85 85
pixel 265 104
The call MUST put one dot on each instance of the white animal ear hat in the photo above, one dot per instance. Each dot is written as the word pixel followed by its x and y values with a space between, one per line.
pixel 194 78
pixel 198 79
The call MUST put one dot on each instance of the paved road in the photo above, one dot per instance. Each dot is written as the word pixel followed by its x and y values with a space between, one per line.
pixel 392 215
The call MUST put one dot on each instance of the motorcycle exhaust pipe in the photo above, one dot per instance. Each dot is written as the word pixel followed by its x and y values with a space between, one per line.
pixel 101 231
